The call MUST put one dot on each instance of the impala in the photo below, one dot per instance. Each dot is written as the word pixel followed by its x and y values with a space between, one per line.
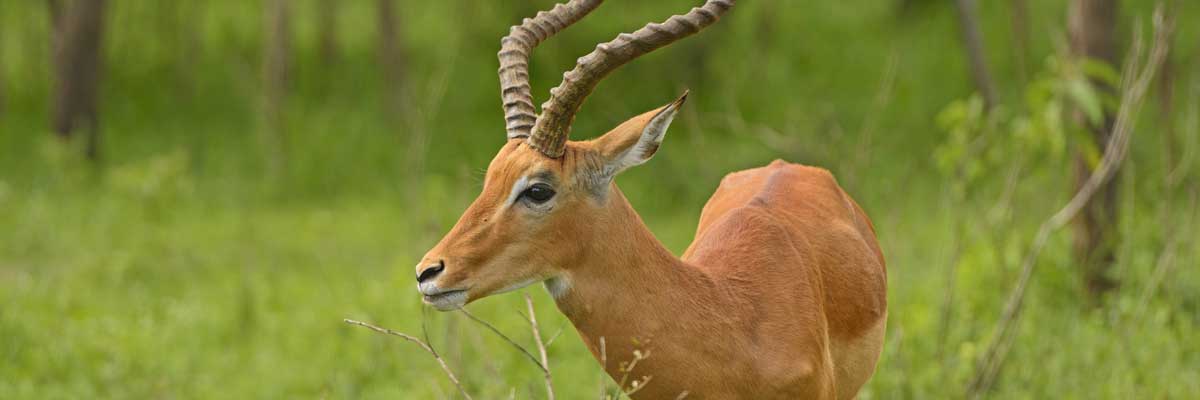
pixel 782 294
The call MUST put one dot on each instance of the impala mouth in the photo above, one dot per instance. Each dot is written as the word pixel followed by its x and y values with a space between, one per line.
pixel 446 300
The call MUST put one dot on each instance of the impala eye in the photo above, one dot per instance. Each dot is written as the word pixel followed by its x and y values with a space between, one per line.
pixel 538 193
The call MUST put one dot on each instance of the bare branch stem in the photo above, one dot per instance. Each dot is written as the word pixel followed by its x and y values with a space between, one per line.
pixel 492 328
pixel 429 349
pixel 537 338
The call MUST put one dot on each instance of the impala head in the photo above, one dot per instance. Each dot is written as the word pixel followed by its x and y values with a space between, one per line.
pixel 544 198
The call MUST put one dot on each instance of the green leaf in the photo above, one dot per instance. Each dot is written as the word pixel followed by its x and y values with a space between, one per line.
pixel 1087 146
pixel 1087 99
pixel 1101 71
pixel 1038 93
pixel 952 116
pixel 1052 122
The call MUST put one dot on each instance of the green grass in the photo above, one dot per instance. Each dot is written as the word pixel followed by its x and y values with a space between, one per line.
pixel 182 266
pixel 113 294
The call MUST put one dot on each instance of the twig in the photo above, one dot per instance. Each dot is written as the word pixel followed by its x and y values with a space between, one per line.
pixel 555 336
pixel 627 368
pixel 537 338
pixel 485 324
pixel 1000 216
pixel 429 349
pixel 1166 259
pixel 1003 206
pixel 485 352
pixel 1192 127
pixel 603 369
pixel 638 385
pixel 883 98
pixel 957 240
pixel 1136 81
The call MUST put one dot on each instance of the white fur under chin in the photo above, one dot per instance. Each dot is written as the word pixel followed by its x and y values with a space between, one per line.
pixel 558 286
pixel 448 302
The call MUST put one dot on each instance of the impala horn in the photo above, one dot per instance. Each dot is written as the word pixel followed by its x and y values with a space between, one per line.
pixel 519 114
pixel 551 129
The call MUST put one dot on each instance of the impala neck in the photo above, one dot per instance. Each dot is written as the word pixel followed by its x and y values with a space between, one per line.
pixel 627 285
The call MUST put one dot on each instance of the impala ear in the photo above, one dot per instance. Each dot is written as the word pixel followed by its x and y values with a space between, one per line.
pixel 636 140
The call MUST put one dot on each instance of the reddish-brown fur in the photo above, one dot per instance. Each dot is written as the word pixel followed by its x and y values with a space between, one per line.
pixel 782 295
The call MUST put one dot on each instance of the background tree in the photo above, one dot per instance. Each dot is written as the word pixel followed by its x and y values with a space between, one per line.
pixel 391 56
pixel 973 43
pixel 54 9
pixel 1 80
pixel 1019 21
pixel 77 56
pixel 275 75
pixel 327 26
pixel 1091 25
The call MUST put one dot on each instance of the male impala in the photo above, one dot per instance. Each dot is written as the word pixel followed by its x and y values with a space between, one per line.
pixel 781 295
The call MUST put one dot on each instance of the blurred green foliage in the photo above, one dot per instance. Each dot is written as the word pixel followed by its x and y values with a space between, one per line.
pixel 981 141
pixel 182 266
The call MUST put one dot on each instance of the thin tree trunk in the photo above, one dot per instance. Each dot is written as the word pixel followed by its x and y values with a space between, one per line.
pixel 1020 29
pixel 54 8
pixel 327 28
pixel 1 77
pixel 190 44
pixel 77 69
pixel 1092 26
pixel 973 42
pixel 176 22
pixel 54 12
pixel 391 57
pixel 275 71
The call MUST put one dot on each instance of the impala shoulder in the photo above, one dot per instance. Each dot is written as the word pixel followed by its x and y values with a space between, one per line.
pixel 804 173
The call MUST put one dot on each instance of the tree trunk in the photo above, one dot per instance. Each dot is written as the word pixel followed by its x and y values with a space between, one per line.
pixel 1020 29
pixel 1 76
pixel 77 69
pixel 327 27
pixel 275 76
pixel 973 42
pixel 1092 25
pixel 54 8
pixel 391 57
pixel 177 22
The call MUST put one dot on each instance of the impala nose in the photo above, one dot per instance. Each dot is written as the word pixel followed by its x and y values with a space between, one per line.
pixel 431 271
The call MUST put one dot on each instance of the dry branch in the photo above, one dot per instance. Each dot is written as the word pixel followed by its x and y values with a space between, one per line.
pixel 1135 82
pixel 492 328
pixel 1168 258
pixel 424 345
pixel 537 338
pixel 627 369
pixel 603 369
